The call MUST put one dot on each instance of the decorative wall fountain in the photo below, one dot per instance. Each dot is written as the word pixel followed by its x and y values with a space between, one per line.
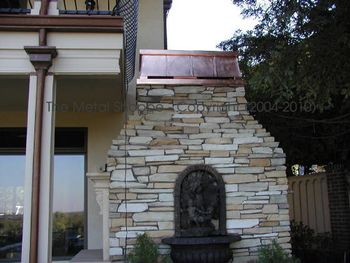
pixel 200 218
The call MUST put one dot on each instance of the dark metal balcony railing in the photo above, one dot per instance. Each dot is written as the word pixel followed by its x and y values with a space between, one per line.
pixel 72 7
pixel 92 7
pixel 16 6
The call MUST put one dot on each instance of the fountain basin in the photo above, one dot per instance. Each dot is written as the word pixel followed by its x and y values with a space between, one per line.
pixel 210 249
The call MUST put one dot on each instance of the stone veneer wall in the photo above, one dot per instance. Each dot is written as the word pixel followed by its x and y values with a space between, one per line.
pixel 160 144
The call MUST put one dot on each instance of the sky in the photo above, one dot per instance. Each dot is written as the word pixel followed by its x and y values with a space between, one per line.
pixel 68 194
pixel 203 24
pixel 68 183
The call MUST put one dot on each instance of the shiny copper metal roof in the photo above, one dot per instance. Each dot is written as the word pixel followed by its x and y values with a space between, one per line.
pixel 188 67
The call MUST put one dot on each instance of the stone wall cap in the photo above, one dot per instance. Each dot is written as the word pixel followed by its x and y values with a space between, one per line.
pixel 97 175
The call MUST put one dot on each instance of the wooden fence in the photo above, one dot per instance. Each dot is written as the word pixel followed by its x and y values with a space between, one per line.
pixel 308 201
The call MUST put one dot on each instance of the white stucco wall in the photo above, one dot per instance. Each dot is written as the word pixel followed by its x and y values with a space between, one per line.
pixel 150 34
pixel 102 128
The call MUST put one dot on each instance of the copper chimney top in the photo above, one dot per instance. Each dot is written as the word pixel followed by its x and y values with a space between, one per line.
pixel 188 67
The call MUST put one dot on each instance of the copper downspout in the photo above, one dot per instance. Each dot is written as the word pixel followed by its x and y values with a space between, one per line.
pixel 39 104
pixel 41 74
pixel 44 7
pixel 42 31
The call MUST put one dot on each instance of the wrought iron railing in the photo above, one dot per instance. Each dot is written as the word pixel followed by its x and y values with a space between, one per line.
pixel 93 7
pixel 16 6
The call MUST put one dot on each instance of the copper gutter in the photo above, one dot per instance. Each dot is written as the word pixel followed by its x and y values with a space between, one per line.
pixel 44 7
pixel 42 32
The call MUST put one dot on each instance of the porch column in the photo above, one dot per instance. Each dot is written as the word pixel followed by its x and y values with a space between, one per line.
pixel 101 187
pixel 46 167
pixel 29 169
pixel 39 159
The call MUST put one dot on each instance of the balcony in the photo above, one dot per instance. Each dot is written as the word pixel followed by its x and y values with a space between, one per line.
pixel 87 45
pixel 94 16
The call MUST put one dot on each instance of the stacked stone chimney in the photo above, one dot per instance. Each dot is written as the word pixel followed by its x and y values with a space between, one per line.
pixel 178 125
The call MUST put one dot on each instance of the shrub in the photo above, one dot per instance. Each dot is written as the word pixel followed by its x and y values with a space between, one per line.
pixel 274 253
pixel 145 250
pixel 311 247
pixel 302 236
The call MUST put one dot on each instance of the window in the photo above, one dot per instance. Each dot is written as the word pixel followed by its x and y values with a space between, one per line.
pixel 68 206
pixel 69 213
pixel 68 236
pixel 12 169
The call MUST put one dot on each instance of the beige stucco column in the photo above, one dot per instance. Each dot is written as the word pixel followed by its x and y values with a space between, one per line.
pixel 101 187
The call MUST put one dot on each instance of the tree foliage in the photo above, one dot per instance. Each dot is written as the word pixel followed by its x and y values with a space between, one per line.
pixel 10 231
pixel 299 53
pixel 64 221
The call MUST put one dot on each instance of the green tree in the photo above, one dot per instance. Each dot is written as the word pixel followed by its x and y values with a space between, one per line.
pixel 297 59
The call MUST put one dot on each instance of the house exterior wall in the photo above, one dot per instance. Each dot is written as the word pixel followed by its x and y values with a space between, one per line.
pixel 13 58
pixel 190 127
pixel 101 130
pixel 79 54
pixel 150 25
pixel 150 35
pixel 13 119
pixel 75 58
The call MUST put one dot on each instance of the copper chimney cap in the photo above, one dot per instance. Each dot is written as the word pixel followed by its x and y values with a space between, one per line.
pixel 188 67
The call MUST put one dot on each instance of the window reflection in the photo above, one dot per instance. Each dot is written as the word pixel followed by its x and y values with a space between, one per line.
pixel 12 168
pixel 68 206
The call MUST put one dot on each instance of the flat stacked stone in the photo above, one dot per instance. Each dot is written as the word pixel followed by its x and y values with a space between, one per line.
pixel 177 126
